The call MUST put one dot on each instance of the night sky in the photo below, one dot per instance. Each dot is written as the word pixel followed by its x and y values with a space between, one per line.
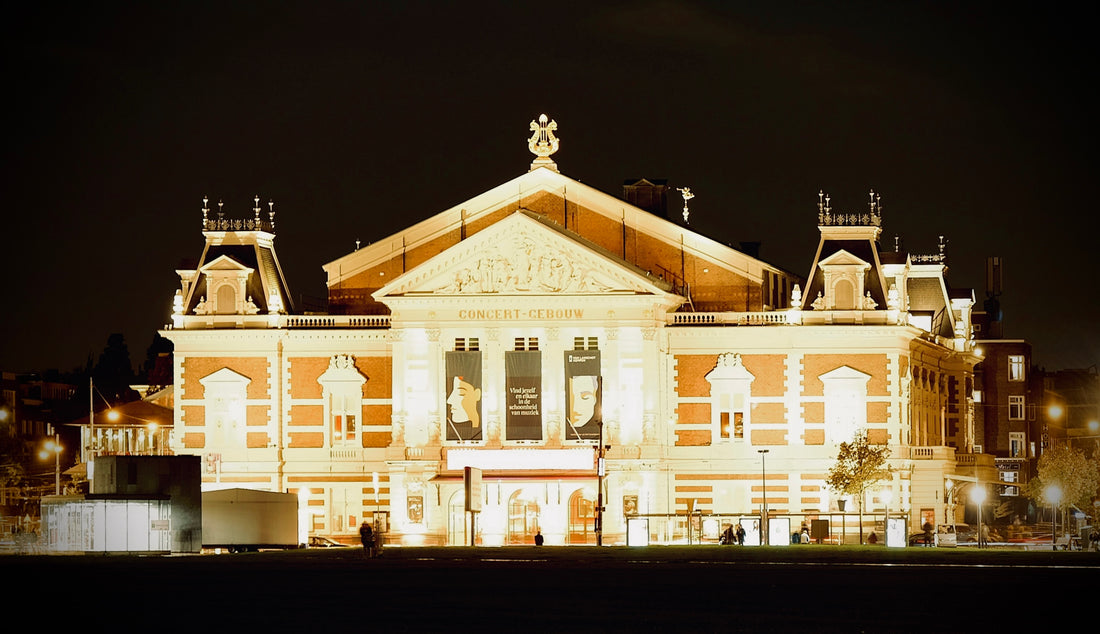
pixel 359 118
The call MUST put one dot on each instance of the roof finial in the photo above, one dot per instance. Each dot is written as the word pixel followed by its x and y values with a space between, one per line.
pixel 256 209
pixel 686 193
pixel 543 143
pixel 205 210
pixel 271 213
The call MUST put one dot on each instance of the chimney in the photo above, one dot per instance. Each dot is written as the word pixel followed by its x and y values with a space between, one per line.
pixel 650 194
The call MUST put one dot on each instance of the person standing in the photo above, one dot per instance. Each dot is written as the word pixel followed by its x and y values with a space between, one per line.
pixel 366 536
pixel 538 537
pixel 740 534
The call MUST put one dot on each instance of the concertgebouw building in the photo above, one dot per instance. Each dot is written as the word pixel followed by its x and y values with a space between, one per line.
pixel 516 330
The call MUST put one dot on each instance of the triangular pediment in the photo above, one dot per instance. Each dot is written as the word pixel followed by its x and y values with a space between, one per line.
pixel 523 255
pixel 844 258
pixel 845 373
pixel 224 376
pixel 223 263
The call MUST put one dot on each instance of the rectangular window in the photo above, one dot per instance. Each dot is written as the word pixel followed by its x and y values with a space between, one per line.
pixel 1016 444
pixel 462 344
pixel 1016 367
pixel 1016 408
pixel 530 344
pixel 1010 476
pixel 724 425
pixel 343 428
pixel 586 343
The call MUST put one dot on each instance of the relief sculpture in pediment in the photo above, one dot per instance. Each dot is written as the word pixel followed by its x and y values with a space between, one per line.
pixel 522 265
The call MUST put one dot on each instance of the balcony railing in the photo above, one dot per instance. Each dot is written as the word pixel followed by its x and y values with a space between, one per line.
pixel 727 319
pixel 202 322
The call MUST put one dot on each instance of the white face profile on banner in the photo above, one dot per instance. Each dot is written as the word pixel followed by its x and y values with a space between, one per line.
pixel 583 390
pixel 582 395
pixel 463 396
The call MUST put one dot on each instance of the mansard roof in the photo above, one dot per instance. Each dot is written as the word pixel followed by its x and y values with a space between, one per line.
pixel 249 251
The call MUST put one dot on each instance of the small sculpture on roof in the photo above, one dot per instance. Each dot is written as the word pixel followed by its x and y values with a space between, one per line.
pixel 543 143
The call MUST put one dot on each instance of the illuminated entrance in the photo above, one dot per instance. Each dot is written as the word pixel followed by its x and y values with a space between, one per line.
pixel 458 521
pixel 523 517
pixel 582 517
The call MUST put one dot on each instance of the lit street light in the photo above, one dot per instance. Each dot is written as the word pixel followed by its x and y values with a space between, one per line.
pixel 977 494
pixel 54 447
pixel 764 492
pixel 1054 494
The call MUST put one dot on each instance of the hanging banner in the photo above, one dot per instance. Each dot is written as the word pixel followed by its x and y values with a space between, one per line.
pixel 464 396
pixel 583 395
pixel 523 395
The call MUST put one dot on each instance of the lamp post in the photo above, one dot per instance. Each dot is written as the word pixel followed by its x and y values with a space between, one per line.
pixel 977 494
pixel 764 493
pixel 887 495
pixel 54 447
pixel 599 486
pixel 949 498
pixel 1054 494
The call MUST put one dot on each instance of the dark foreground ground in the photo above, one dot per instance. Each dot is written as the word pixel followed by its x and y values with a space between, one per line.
pixel 565 589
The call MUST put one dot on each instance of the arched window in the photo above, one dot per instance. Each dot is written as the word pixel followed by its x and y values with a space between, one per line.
pixel 523 517
pixel 844 293
pixel 227 300
pixel 582 517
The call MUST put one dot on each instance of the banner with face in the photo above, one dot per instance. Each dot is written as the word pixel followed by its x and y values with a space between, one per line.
pixel 463 394
pixel 523 400
pixel 583 395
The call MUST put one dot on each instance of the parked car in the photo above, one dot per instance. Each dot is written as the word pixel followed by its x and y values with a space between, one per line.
pixel 918 539
pixel 316 541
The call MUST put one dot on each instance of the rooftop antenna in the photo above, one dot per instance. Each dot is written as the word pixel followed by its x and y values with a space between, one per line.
pixel 686 193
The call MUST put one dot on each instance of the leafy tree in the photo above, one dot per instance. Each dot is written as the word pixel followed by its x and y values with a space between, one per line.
pixel 113 372
pixel 859 466
pixel 157 371
pixel 1070 470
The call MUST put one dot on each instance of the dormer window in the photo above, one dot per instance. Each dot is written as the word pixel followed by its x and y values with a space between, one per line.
pixel 227 288
pixel 844 277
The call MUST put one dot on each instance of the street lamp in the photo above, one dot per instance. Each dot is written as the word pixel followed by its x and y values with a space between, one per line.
pixel 54 447
pixel 887 495
pixel 977 494
pixel 763 492
pixel 1054 494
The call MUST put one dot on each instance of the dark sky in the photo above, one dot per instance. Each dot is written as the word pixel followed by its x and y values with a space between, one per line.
pixel 972 120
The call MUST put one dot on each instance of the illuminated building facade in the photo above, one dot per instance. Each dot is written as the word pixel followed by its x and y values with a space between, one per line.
pixel 517 329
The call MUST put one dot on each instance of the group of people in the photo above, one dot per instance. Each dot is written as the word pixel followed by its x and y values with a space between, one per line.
pixel 733 535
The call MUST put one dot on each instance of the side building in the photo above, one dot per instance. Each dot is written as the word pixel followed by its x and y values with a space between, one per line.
pixel 542 323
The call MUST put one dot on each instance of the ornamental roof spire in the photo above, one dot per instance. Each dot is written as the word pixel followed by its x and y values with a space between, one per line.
pixel 543 143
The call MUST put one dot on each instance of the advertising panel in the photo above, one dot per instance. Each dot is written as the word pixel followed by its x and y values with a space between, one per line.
pixel 583 395
pixel 464 396
pixel 523 395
